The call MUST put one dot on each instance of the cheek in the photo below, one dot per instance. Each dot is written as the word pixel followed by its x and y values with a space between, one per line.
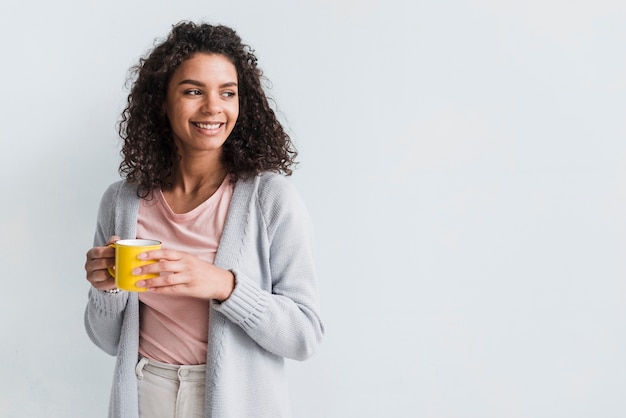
pixel 174 114
pixel 235 111
pixel 167 112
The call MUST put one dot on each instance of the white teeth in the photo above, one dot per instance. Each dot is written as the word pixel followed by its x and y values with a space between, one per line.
pixel 208 125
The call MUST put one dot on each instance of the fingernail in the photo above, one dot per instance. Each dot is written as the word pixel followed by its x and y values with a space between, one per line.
pixel 142 256
pixel 141 283
pixel 137 271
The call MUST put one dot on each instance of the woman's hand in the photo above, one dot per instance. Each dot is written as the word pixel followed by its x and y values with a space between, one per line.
pixel 185 274
pixel 98 260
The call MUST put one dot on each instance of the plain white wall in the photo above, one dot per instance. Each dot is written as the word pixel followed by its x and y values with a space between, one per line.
pixel 464 163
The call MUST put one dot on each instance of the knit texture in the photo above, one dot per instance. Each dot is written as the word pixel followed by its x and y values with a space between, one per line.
pixel 272 314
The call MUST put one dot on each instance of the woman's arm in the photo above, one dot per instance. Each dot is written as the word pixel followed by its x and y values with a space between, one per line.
pixel 285 320
pixel 104 311
pixel 103 318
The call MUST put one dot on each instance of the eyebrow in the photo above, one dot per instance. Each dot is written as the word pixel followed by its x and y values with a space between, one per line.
pixel 200 84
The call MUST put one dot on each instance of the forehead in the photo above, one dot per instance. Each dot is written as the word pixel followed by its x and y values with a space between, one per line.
pixel 206 66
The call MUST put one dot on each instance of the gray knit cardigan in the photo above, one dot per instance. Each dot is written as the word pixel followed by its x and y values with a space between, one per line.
pixel 272 314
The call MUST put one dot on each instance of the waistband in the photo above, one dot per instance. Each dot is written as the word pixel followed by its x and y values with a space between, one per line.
pixel 195 373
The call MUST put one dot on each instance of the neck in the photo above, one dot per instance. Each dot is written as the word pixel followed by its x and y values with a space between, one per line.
pixel 197 175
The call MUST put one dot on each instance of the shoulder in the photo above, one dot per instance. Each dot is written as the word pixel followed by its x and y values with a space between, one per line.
pixel 276 190
pixel 119 195
pixel 273 194
pixel 121 189
pixel 265 186
pixel 117 214
pixel 113 190
pixel 279 199
pixel 274 184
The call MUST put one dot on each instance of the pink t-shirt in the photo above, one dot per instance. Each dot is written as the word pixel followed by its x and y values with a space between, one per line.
pixel 174 329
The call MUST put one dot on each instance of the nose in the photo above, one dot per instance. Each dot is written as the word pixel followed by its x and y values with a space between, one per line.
pixel 211 104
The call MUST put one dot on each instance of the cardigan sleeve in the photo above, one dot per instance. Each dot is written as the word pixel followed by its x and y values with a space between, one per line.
pixel 285 320
pixel 104 311
pixel 104 317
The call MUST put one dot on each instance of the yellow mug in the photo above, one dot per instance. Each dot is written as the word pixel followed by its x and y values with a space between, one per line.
pixel 126 252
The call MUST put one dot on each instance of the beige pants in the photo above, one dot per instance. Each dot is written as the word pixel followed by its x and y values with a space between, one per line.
pixel 170 391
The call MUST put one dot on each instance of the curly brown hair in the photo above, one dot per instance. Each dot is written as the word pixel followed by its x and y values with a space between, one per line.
pixel 258 141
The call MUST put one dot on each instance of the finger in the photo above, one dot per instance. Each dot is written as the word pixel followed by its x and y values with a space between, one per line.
pixel 99 264
pixel 168 290
pixel 100 252
pixel 105 285
pixel 99 277
pixel 160 267
pixel 162 255
pixel 167 283
pixel 103 250
pixel 113 239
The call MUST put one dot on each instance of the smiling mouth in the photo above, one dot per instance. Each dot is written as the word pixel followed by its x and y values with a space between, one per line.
pixel 210 126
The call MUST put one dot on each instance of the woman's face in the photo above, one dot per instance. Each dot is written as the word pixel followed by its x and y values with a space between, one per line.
pixel 202 103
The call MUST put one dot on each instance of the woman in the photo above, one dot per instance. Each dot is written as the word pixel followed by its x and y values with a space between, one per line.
pixel 204 160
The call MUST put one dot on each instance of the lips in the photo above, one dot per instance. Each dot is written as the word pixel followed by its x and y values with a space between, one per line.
pixel 209 126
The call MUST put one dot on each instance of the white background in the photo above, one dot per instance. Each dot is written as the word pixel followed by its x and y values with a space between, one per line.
pixel 464 163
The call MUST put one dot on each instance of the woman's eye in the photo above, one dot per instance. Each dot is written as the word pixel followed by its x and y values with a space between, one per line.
pixel 228 94
pixel 193 92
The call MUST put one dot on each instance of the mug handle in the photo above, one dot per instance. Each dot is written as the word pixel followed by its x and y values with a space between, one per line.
pixel 112 269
